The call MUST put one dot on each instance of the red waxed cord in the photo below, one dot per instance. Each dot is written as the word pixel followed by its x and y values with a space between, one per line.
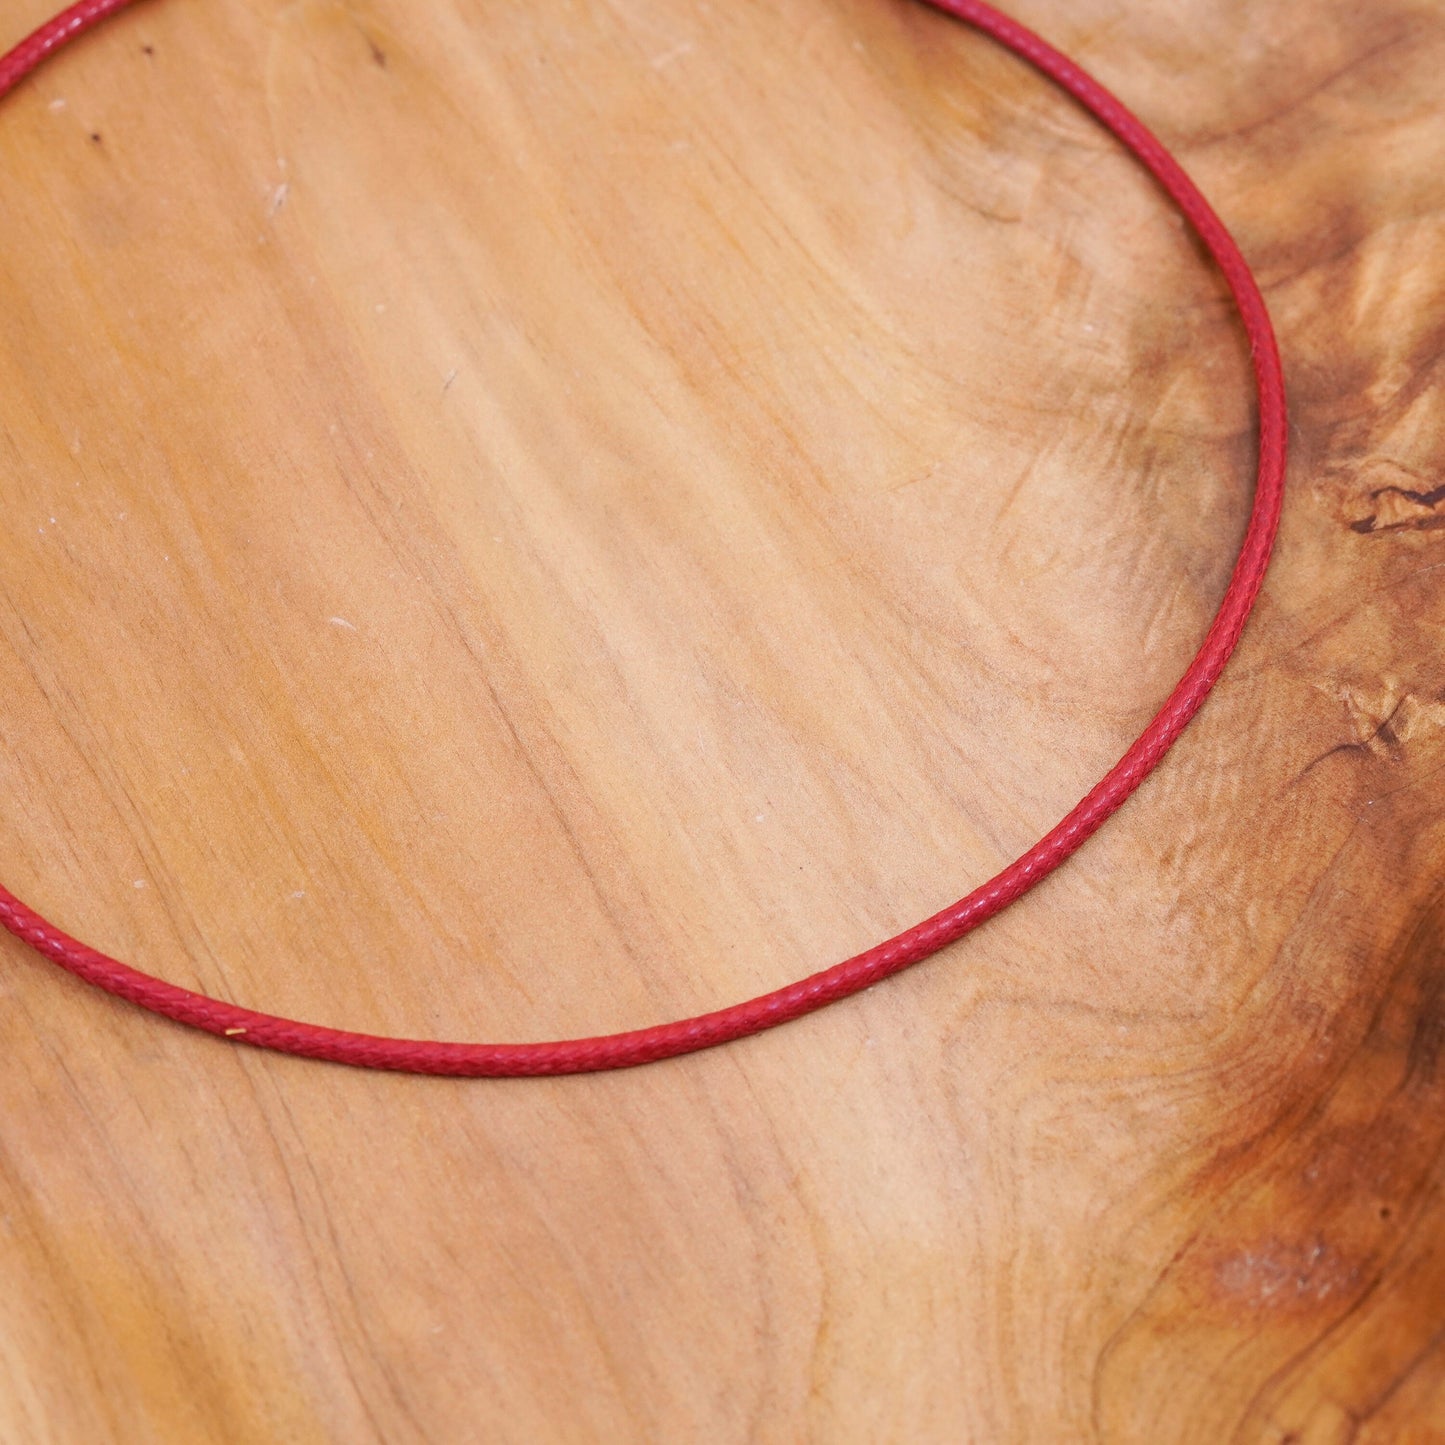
pixel 641 1046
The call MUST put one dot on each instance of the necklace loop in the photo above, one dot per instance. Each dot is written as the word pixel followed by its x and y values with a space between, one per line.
pixel 641 1046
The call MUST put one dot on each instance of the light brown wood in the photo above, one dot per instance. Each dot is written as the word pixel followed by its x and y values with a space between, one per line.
pixel 534 519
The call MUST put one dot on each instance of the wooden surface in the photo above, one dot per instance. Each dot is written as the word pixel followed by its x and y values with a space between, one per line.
pixel 524 519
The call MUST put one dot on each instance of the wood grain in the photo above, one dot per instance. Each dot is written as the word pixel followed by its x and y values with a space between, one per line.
pixel 534 519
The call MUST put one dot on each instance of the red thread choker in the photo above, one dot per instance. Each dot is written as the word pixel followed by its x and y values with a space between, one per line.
pixel 617 1051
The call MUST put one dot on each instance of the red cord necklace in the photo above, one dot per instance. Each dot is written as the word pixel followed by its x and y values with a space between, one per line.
pixel 641 1046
